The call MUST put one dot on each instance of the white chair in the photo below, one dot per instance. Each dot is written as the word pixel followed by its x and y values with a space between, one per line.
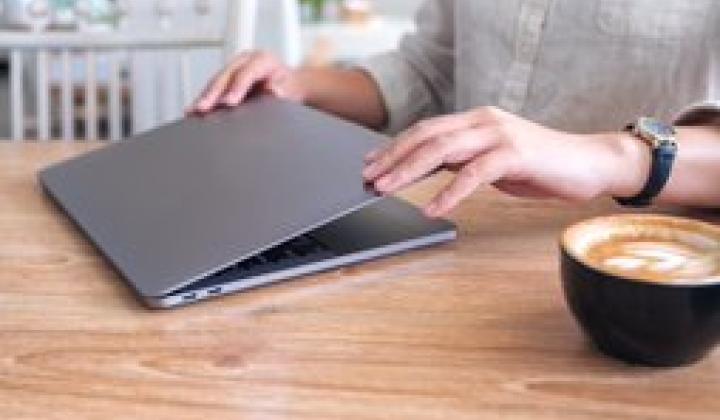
pixel 136 76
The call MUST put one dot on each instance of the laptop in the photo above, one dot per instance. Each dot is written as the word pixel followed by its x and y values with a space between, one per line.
pixel 208 206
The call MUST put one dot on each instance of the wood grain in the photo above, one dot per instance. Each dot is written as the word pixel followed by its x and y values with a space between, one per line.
pixel 473 329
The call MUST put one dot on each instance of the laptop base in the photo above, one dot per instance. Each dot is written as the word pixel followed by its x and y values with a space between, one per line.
pixel 386 227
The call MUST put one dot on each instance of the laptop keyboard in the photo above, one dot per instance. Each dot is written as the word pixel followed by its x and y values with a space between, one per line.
pixel 297 252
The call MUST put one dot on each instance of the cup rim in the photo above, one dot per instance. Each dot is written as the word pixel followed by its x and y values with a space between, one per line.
pixel 701 225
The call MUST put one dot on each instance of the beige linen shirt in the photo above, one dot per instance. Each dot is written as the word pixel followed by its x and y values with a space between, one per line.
pixel 576 65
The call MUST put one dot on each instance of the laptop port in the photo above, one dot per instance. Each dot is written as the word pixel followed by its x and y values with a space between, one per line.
pixel 190 296
pixel 214 290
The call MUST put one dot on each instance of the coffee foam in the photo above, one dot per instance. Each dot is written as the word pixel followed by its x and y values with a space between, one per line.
pixel 660 249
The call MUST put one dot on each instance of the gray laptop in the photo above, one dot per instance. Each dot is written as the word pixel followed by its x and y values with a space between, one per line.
pixel 240 198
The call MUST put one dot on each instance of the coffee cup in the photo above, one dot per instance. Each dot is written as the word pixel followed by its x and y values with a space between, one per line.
pixel 645 288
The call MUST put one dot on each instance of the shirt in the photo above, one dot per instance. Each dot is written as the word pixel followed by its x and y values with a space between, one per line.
pixel 575 65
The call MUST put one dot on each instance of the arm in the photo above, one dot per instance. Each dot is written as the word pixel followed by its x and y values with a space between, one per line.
pixel 519 157
pixel 417 80
pixel 393 90
pixel 695 179
pixel 351 94
pixel 388 91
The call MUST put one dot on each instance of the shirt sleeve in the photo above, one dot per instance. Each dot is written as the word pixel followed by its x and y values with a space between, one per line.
pixel 416 80
pixel 703 113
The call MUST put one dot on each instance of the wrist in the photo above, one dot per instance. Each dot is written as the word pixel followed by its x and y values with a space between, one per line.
pixel 631 160
pixel 348 93
pixel 303 82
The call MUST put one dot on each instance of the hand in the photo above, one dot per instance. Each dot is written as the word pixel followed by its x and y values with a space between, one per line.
pixel 490 146
pixel 247 71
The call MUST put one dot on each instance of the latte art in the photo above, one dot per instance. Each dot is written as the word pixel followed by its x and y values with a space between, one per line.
pixel 654 260
pixel 651 248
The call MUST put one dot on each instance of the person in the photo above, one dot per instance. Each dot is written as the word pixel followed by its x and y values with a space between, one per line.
pixel 530 96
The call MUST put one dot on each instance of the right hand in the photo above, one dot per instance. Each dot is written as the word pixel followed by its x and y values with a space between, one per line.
pixel 250 70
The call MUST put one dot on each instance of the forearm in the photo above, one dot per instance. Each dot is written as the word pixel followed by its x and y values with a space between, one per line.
pixel 695 179
pixel 350 94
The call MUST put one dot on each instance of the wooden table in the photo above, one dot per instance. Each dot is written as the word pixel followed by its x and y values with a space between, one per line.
pixel 474 329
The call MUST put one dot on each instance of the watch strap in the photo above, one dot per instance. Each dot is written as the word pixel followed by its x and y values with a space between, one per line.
pixel 660 169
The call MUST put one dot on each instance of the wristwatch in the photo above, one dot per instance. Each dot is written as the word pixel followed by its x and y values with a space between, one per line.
pixel 662 140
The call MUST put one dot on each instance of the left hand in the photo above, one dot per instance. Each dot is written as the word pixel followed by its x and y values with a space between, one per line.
pixel 490 146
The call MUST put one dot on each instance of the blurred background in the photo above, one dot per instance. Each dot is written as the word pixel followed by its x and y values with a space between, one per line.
pixel 84 69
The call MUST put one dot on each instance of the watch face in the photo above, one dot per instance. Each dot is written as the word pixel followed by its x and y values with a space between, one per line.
pixel 657 128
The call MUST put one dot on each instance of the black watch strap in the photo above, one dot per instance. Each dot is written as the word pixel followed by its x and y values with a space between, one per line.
pixel 662 163
pixel 663 157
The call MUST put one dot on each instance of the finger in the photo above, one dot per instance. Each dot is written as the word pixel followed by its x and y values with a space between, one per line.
pixel 483 170
pixel 212 93
pixel 460 146
pixel 216 88
pixel 277 84
pixel 410 139
pixel 274 82
pixel 421 161
pixel 374 154
pixel 245 78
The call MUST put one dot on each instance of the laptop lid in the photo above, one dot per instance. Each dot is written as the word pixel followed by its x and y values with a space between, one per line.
pixel 178 203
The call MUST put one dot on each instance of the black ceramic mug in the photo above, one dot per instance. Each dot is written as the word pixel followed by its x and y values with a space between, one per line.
pixel 645 288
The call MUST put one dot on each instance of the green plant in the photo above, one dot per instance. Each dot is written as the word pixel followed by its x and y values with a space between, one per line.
pixel 317 7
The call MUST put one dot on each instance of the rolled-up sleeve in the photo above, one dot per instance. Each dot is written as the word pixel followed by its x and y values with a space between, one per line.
pixel 417 80
pixel 702 113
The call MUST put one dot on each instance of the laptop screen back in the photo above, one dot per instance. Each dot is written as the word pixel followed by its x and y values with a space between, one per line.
pixel 181 202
